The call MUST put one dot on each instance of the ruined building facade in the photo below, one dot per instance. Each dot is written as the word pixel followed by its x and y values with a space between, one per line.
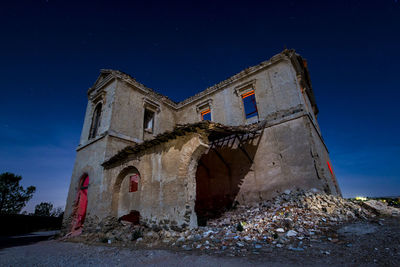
pixel 243 140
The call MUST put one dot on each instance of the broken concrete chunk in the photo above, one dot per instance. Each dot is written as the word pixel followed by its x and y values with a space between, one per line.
pixel 381 208
pixel 284 221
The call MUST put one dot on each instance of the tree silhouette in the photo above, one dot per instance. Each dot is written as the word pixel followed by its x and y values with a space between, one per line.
pixel 13 197
pixel 43 209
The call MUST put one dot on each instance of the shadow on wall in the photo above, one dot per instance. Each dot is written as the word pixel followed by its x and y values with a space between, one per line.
pixel 219 176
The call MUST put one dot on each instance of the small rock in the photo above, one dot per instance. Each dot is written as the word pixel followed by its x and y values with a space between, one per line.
pixel 197 237
pixel 291 233
pixel 296 249
pixel 247 238
pixel 206 234
pixel 181 239
pixel 151 234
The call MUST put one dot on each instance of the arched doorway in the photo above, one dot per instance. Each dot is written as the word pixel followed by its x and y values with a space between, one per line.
pixel 126 195
pixel 80 203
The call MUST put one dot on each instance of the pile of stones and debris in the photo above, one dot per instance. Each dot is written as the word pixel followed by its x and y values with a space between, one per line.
pixel 292 220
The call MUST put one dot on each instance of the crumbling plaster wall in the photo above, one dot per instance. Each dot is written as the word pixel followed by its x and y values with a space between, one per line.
pixel 283 161
pixel 276 88
pixel 128 113
pixel 167 189
pixel 91 153
pixel 87 161
pixel 321 158
pixel 107 100
pixel 308 107
pixel 290 154
pixel 166 192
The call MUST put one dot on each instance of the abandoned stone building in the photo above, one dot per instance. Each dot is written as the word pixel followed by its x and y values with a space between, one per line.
pixel 245 139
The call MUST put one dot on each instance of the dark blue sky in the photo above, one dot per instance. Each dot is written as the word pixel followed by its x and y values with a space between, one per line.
pixel 51 53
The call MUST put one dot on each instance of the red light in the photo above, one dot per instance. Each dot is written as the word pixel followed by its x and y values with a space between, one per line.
pixel 329 166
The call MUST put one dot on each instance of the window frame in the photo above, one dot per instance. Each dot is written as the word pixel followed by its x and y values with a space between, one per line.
pixel 152 120
pixel 204 108
pixel 245 94
pixel 205 112
pixel 154 107
pixel 96 120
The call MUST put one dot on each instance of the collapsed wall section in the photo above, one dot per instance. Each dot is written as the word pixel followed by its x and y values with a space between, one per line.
pixel 283 162
pixel 282 157
pixel 189 179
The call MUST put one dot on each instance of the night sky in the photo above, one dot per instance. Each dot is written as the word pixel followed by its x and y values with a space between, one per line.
pixel 51 53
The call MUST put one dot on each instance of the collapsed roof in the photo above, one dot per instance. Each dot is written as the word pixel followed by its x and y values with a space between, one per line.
pixel 213 130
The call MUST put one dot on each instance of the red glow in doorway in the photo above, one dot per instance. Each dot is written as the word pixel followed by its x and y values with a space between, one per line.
pixel 81 204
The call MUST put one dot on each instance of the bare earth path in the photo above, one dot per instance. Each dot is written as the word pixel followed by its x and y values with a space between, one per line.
pixel 55 253
pixel 361 244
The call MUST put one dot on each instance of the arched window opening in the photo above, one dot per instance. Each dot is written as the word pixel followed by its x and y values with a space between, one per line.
pixel 95 121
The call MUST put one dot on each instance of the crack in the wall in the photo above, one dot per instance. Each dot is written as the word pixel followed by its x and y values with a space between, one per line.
pixel 317 159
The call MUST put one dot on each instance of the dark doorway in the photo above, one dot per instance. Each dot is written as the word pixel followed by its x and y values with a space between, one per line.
pixel 219 175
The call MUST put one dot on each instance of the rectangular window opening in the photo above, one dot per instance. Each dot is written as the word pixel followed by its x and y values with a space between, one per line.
pixel 134 181
pixel 148 125
pixel 250 105
pixel 206 115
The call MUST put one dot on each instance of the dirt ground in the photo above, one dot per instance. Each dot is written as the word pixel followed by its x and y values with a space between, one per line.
pixel 360 243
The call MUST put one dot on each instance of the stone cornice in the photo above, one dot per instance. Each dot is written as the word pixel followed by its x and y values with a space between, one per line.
pixel 99 84
pixel 237 77
pixel 152 94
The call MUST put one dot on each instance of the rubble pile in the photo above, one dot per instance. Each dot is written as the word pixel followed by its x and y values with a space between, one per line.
pixel 292 220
